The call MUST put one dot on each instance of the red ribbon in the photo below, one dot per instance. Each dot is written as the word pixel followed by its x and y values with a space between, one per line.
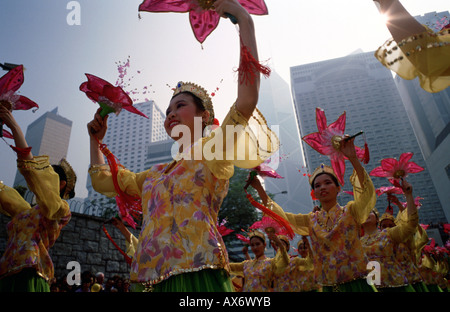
pixel 249 67
pixel 127 258
pixel 272 214
pixel 129 206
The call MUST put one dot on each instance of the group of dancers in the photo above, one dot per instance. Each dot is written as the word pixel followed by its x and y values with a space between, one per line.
pixel 179 247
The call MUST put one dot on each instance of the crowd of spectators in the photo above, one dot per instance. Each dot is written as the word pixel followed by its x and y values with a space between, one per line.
pixel 90 282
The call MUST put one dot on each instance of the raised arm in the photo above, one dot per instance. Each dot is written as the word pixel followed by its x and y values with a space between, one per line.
pixel 19 138
pixel 97 130
pixel 247 92
pixel 399 22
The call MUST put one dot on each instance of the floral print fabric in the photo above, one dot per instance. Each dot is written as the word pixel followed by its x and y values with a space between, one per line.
pixel 33 230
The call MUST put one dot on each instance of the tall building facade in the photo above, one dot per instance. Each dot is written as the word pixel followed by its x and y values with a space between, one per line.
pixel 293 191
pixel 359 85
pixel 48 135
pixel 128 138
pixel 429 114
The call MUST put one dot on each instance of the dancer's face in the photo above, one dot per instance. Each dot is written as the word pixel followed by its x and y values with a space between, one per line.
pixel 257 246
pixel 325 189
pixel 181 111
pixel 371 219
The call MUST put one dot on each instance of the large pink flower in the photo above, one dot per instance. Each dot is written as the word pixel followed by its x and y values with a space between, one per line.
pixel 202 17
pixel 388 190
pixel 268 224
pixel 109 97
pixel 394 169
pixel 327 139
pixel 9 84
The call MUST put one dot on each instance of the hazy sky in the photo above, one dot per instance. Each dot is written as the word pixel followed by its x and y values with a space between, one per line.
pixel 162 47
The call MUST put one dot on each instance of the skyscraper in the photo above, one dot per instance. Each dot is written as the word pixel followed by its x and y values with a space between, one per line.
pixel 293 191
pixel 48 135
pixel 429 114
pixel 359 85
pixel 128 138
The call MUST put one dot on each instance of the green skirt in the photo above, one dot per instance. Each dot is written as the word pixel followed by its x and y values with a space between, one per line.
pixel 359 285
pixel 420 287
pixel 434 288
pixel 207 280
pixel 26 280
pixel 407 288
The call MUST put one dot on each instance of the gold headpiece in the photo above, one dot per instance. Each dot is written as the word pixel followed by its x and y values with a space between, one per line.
pixel 199 92
pixel 255 233
pixel 70 175
pixel 284 238
pixel 321 169
pixel 388 214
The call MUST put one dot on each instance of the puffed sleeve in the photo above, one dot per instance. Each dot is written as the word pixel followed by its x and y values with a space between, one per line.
pixel 364 198
pixel 129 182
pixel 237 268
pixel 300 223
pixel 280 262
pixel 425 55
pixel 11 202
pixel 43 181
pixel 238 142
pixel 404 231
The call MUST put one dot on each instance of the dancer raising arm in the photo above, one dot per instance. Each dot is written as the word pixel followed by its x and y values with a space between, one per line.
pixel 414 50
pixel 179 247
pixel 339 259
pixel 26 265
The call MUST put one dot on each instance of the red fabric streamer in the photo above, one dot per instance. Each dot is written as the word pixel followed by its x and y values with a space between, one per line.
pixel 21 151
pixel 129 206
pixel 127 258
pixel 272 214
pixel 366 153
pixel 250 67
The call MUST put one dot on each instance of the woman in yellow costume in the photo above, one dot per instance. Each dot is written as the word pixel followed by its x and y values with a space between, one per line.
pixel 299 276
pixel 340 263
pixel 179 247
pixel 414 50
pixel 26 265
pixel 258 273
pixel 382 245
pixel 409 252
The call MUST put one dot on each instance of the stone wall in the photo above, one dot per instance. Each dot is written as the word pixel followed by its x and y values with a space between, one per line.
pixel 84 241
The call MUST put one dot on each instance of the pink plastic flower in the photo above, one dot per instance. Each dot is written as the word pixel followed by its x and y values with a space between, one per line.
pixel 268 224
pixel 394 169
pixel 223 230
pixel 326 141
pixel 243 238
pixel 9 84
pixel 111 98
pixel 202 17
pixel 388 190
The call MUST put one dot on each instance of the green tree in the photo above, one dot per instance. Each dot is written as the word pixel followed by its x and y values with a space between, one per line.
pixel 236 208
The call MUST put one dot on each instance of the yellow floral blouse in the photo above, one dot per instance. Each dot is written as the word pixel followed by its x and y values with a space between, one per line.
pixel 33 230
pixel 409 251
pixel 298 277
pixel 259 274
pixel 335 235
pixel 425 55
pixel 181 201
pixel 383 247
